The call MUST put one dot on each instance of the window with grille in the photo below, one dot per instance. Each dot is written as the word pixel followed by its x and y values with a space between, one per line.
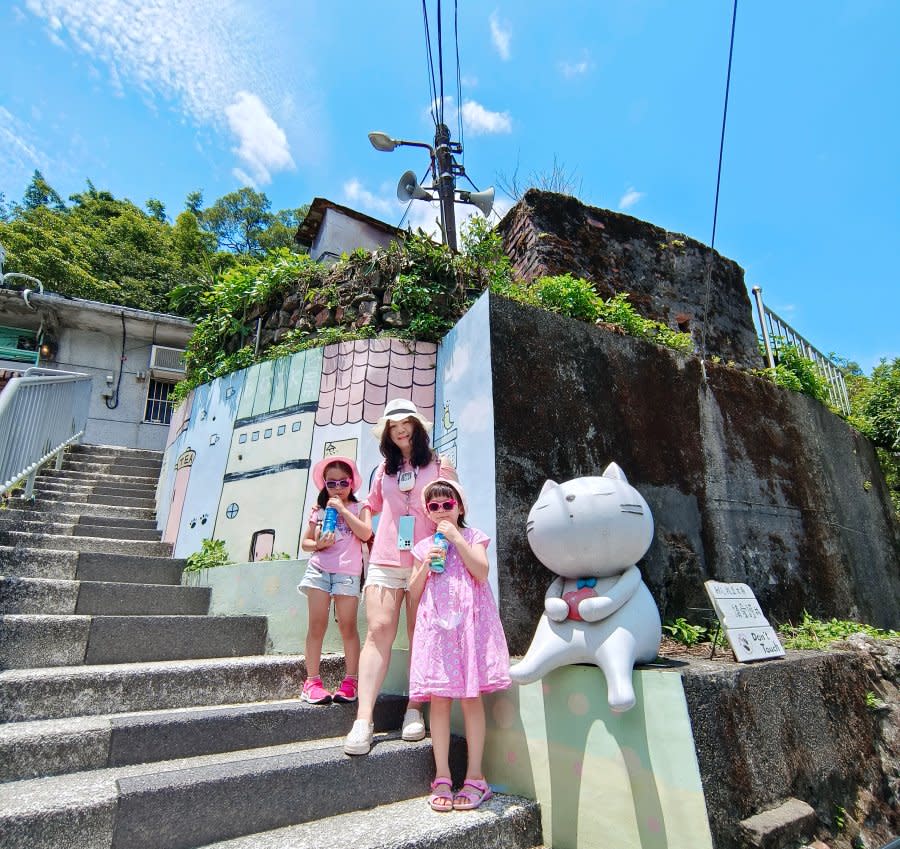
pixel 159 407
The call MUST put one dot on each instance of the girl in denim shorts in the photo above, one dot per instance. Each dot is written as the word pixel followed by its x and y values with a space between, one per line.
pixel 334 571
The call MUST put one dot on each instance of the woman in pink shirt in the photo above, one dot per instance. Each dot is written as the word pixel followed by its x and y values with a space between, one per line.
pixel 409 465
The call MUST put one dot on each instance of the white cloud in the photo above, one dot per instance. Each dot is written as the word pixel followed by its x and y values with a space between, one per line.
pixel 501 35
pixel 355 194
pixel 480 121
pixel 263 144
pixel 630 198
pixel 477 414
pixel 19 153
pixel 199 55
pixel 579 68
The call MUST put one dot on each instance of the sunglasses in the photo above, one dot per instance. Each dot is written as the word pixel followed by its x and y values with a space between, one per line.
pixel 434 506
pixel 339 484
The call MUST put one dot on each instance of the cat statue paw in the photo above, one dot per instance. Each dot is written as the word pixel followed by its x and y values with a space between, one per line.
pixel 590 532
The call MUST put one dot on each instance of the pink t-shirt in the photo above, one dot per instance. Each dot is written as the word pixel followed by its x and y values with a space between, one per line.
pixel 386 498
pixel 345 556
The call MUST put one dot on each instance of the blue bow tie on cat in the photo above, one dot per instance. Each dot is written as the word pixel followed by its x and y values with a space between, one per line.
pixel 581 583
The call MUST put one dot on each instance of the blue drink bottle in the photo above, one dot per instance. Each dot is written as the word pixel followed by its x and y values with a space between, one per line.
pixel 329 523
pixel 437 564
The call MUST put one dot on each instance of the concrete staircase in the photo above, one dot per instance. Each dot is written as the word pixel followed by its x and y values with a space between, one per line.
pixel 134 720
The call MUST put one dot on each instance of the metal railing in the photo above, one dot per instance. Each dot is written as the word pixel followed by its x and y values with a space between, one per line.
pixel 777 333
pixel 40 414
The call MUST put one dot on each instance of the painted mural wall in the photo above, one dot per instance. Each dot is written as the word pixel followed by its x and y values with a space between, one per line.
pixel 239 449
pixel 464 424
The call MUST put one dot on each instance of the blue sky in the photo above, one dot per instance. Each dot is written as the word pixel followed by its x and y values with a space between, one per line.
pixel 161 97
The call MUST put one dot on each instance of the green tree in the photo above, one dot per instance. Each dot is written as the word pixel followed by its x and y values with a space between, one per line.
pixel 282 229
pixel 194 202
pixel 157 209
pixel 238 219
pixel 875 410
pixel 40 193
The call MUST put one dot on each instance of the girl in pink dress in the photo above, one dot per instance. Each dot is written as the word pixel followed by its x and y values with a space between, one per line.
pixel 459 649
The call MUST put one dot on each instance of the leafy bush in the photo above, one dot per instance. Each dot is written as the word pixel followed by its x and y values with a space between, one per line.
pixel 794 371
pixel 212 553
pixel 568 295
pixel 685 633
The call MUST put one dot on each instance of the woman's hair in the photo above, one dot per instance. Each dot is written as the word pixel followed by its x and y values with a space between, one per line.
pixel 422 454
pixel 438 491
pixel 324 495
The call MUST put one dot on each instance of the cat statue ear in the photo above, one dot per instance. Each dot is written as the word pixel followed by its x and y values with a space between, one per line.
pixel 614 471
pixel 548 485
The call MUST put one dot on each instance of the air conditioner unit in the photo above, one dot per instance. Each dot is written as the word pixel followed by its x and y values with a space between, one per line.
pixel 167 362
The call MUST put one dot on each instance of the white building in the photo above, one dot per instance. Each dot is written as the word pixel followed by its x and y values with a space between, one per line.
pixel 135 357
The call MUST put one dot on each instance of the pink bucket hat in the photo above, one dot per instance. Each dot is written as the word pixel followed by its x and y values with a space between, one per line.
pixel 318 471
pixel 460 495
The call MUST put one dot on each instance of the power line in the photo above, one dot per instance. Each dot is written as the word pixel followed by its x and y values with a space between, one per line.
pixel 459 120
pixel 432 87
pixel 440 58
pixel 712 243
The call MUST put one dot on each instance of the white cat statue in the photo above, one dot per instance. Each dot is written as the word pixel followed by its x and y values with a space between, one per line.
pixel 590 532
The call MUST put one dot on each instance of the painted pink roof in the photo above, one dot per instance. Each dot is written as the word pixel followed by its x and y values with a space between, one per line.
pixel 358 379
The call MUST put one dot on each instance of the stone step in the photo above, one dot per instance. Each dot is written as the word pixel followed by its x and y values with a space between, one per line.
pixel 190 802
pixel 68 565
pixel 39 595
pixel 14 519
pixel 29 641
pixel 63 542
pixel 503 822
pixel 147 470
pixel 66 691
pixel 58 746
pixel 80 529
pixel 78 506
pixel 56 489
pixel 117 451
pixel 123 532
pixel 76 478
pixel 147 503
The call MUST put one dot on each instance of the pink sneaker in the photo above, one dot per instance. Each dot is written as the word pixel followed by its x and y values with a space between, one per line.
pixel 314 692
pixel 347 691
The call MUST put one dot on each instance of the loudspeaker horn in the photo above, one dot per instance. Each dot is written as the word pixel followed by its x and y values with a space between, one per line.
pixel 483 200
pixel 408 188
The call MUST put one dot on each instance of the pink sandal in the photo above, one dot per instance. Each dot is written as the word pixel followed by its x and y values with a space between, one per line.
pixel 470 796
pixel 441 798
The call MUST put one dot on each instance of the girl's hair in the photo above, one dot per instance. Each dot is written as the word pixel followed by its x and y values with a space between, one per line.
pixel 324 494
pixel 421 456
pixel 443 490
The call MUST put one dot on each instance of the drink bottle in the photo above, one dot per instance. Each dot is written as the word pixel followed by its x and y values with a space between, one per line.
pixel 437 563
pixel 329 523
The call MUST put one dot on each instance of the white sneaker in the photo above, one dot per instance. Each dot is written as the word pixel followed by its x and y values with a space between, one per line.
pixel 359 740
pixel 413 726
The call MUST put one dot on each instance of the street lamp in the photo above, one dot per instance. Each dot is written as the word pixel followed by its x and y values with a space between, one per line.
pixel 444 171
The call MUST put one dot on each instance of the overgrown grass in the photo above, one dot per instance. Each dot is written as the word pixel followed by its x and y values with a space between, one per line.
pixel 812 633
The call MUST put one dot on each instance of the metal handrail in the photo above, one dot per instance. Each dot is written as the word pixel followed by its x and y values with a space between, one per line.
pixel 41 413
pixel 776 332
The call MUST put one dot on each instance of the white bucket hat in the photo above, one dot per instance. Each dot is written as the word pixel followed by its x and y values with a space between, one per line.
pixel 396 411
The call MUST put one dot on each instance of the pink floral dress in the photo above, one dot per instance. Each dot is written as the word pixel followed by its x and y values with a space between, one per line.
pixel 459 649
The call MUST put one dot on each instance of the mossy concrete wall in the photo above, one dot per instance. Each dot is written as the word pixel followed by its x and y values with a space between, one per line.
pixel 747 481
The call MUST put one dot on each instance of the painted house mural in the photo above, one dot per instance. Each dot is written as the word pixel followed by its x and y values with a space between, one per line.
pixel 240 448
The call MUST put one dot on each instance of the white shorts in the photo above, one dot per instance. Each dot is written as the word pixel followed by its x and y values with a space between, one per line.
pixel 390 577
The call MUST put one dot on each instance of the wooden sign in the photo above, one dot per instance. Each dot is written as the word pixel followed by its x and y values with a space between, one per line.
pixel 749 633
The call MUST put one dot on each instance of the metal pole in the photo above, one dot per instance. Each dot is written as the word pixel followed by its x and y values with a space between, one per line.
pixel 757 293
pixel 446 183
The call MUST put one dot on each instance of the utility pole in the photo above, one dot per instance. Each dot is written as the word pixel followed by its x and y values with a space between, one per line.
pixel 446 183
